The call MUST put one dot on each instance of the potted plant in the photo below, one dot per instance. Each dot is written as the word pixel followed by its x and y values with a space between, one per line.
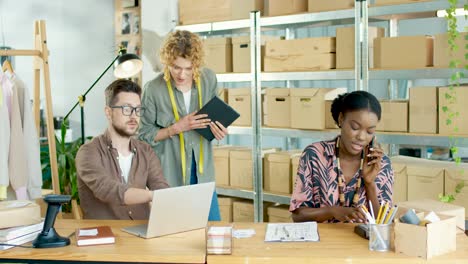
pixel 66 153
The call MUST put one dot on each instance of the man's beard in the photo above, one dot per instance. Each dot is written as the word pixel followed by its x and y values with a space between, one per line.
pixel 122 132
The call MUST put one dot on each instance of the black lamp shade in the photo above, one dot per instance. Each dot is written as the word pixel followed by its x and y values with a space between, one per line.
pixel 127 65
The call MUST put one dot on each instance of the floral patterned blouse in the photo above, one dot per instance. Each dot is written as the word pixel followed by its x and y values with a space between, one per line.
pixel 317 180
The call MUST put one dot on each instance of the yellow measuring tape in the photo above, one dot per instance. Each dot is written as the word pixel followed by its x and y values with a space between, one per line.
pixel 181 134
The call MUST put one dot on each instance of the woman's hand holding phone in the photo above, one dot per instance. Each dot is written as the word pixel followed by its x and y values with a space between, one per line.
pixel 372 162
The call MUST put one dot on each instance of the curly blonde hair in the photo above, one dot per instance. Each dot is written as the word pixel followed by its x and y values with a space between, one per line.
pixel 185 44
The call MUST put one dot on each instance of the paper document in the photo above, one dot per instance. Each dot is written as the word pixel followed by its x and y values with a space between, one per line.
pixel 295 232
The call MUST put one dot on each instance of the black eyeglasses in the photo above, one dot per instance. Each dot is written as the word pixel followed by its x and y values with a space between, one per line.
pixel 128 110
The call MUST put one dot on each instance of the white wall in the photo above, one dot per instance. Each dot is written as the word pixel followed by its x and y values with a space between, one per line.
pixel 158 18
pixel 80 38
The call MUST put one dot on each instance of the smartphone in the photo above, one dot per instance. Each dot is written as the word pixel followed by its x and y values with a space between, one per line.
pixel 371 145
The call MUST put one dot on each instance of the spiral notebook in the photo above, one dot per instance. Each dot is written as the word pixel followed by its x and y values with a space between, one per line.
pixel 217 110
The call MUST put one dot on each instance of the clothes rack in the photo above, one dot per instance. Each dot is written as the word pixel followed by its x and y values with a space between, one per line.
pixel 40 56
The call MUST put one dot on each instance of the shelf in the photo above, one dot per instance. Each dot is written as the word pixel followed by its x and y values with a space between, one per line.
pixel 283 76
pixel 244 194
pixel 412 74
pixel 304 76
pixel 227 191
pixel 407 11
pixel 384 137
pixel 277 198
pixel 402 11
pixel 374 74
pixel 233 77
pixel 304 19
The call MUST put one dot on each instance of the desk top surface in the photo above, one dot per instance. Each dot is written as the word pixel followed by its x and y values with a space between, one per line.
pixel 188 247
pixel 338 244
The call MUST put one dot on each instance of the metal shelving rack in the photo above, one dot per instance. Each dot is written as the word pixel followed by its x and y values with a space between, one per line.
pixel 364 14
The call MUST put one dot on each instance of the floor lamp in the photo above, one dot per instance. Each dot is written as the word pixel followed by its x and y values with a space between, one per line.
pixel 126 65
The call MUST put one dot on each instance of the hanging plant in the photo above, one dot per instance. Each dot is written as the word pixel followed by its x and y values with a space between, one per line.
pixel 451 95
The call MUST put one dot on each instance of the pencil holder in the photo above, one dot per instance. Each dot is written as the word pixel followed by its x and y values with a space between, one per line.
pixel 379 237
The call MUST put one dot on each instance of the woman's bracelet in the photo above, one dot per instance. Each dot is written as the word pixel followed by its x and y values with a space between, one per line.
pixel 169 132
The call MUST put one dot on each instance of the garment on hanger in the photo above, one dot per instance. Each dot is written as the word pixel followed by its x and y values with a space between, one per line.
pixel 17 162
pixel 4 135
pixel 31 140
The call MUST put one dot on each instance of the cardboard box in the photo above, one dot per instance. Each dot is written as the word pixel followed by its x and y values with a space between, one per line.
pixel 425 180
pixel 329 121
pixel 305 54
pixel 221 163
pixel 279 214
pixel 308 106
pixel 294 166
pixel 345 46
pixel 442 53
pixel 458 105
pixel 423 110
pixel 449 209
pixel 218 54
pixel 400 185
pixel 240 168
pixel 284 7
pixel 455 174
pixel 241 8
pixel 397 2
pixel 225 208
pixel 327 5
pixel 203 11
pixel 394 116
pixel 277 107
pixel 426 241
pixel 277 172
pixel 19 212
pixel 240 99
pixel 223 94
pixel 243 211
pixel 241 52
pixel 406 52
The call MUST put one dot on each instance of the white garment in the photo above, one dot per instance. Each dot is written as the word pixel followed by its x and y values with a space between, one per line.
pixel 5 86
pixel 187 97
pixel 125 163
pixel 31 140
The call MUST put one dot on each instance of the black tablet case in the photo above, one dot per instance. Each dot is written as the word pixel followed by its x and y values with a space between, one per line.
pixel 217 110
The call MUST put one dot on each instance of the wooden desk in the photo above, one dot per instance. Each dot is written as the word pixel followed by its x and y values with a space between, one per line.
pixel 188 247
pixel 338 244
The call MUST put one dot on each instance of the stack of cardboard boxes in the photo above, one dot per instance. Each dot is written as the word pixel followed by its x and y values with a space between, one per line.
pixel 307 54
pixel 426 179
pixel 240 210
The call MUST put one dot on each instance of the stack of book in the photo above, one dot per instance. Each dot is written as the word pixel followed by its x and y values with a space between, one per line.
pixel 19 235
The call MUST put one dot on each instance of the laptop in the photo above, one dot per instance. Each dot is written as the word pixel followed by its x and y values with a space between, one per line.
pixel 175 210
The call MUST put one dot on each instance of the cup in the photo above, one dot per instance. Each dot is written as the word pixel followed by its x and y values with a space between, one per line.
pixel 379 237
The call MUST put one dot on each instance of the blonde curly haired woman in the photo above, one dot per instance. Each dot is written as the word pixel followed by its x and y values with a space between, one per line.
pixel 171 101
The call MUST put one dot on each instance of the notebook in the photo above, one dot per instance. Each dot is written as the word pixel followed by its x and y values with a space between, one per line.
pixel 94 236
pixel 217 110
pixel 176 210
pixel 292 232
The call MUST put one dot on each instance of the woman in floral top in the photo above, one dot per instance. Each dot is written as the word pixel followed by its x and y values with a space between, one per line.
pixel 337 177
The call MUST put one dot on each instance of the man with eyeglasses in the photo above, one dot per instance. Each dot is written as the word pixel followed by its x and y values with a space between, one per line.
pixel 116 172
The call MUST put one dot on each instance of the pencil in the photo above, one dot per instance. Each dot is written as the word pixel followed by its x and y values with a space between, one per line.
pixel 380 212
pixel 390 213
pixel 371 209
pixel 384 213
pixel 393 215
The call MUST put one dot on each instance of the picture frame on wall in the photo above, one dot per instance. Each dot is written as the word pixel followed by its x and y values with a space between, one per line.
pixel 126 23
pixel 128 3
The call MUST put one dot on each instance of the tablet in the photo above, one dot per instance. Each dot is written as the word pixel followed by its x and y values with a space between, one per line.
pixel 217 110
